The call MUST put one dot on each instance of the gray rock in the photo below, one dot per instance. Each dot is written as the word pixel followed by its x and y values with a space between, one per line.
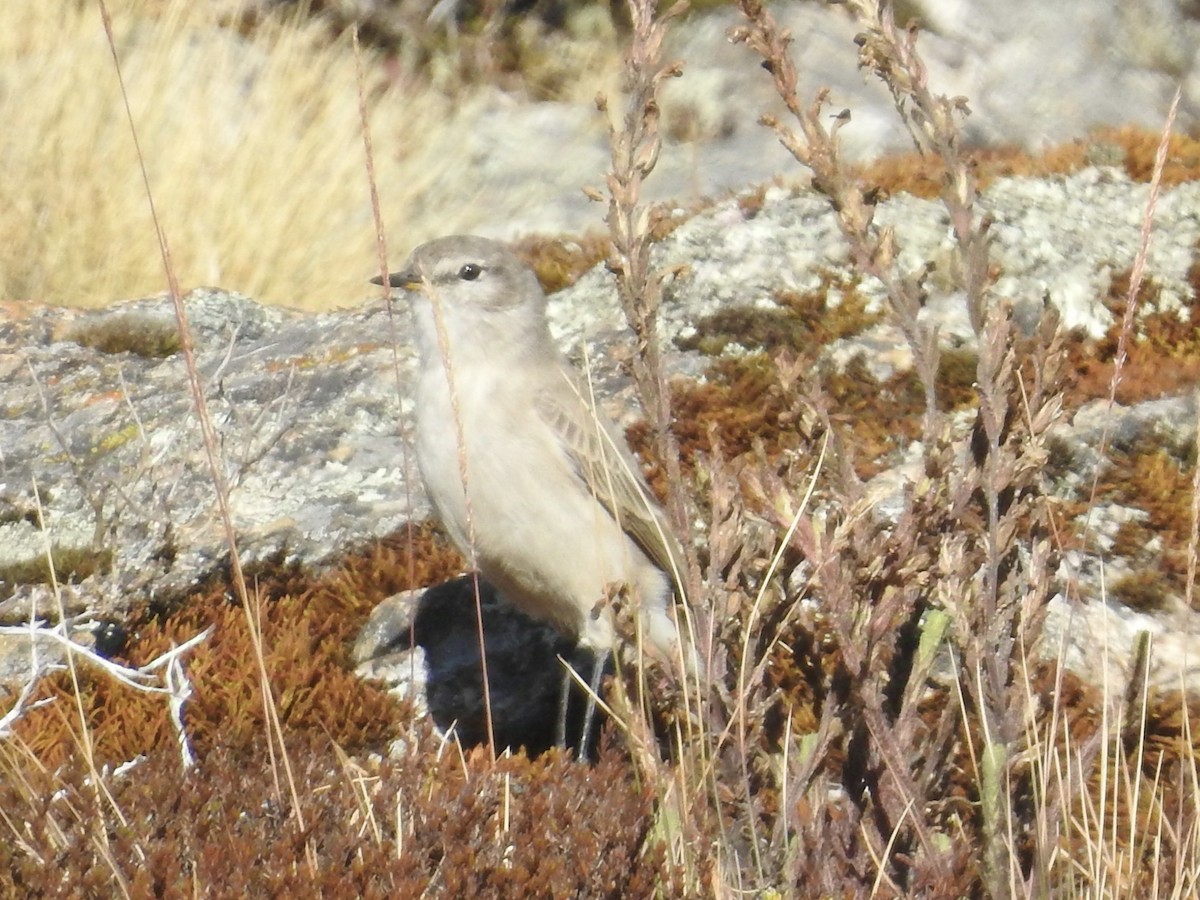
pixel 100 443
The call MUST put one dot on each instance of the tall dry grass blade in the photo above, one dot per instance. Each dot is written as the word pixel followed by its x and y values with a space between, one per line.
pixel 1133 295
pixel 381 248
pixel 212 454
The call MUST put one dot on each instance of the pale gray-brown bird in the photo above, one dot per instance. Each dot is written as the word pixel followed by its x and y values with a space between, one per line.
pixel 528 478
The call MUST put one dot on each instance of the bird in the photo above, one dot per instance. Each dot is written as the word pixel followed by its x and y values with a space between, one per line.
pixel 529 479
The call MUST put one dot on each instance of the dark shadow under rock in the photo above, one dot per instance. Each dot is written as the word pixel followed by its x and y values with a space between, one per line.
pixel 425 643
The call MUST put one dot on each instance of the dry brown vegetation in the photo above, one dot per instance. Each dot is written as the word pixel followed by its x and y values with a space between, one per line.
pixel 886 719
pixel 1131 148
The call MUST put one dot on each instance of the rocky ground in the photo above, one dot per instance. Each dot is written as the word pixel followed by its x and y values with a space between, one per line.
pixel 102 446
pixel 777 346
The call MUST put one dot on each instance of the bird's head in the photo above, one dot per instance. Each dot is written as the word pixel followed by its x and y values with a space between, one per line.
pixel 486 297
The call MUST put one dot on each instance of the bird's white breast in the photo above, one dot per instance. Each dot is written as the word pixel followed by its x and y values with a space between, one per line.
pixel 536 531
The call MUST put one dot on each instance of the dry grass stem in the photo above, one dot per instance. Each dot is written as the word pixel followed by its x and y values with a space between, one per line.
pixel 212 453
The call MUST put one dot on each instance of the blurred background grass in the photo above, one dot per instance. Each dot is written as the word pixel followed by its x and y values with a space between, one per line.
pixel 252 142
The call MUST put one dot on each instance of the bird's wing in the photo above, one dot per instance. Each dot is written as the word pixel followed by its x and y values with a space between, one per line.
pixel 600 457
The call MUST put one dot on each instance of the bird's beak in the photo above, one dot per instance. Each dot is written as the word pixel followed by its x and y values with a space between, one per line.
pixel 409 280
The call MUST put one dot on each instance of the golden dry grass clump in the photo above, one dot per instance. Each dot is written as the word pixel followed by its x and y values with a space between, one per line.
pixel 252 144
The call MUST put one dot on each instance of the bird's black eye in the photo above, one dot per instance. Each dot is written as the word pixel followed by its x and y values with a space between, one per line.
pixel 470 272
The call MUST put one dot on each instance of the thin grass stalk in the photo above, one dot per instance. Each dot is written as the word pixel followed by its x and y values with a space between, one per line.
pixel 275 742
pixel 381 248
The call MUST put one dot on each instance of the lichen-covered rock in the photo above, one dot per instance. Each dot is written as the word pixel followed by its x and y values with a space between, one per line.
pixel 103 468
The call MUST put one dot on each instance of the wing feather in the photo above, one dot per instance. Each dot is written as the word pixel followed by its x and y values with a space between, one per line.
pixel 601 458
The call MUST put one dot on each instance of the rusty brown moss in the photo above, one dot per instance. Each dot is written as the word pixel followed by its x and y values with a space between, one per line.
pixel 1151 478
pixel 743 404
pixel 65 565
pixel 1163 352
pixel 559 263
pixel 307 623
pixel 801 321
pixel 1146 590
pixel 1132 148
pixel 149 336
